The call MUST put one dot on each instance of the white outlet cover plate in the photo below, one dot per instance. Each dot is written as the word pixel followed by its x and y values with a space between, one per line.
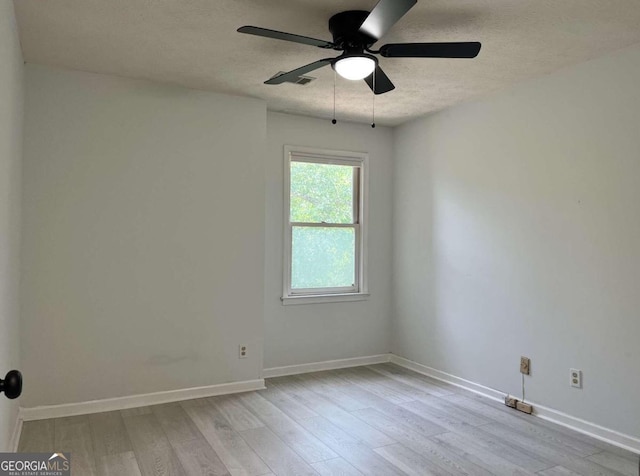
pixel 575 378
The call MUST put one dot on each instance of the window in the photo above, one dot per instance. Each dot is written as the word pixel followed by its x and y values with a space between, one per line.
pixel 325 236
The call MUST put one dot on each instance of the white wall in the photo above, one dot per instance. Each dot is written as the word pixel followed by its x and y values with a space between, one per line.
pixel 316 332
pixel 11 105
pixel 517 232
pixel 143 250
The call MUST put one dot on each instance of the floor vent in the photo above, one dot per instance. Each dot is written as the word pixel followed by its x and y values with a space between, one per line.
pixel 301 80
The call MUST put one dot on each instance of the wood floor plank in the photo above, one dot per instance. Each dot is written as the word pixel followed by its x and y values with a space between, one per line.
pixel 146 434
pixel 153 451
pixel 286 403
pixel 410 391
pixel 234 452
pixel 555 428
pixel 37 437
pixel 438 454
pixel 523 457
pixel 558 471
pixel 135 411
pixel 118 464
pixel 356 392
pixel 176 424
pixel 349 448
pixel 517 455
pixel 73 434
pixel 328 377
pixel 466 449
pixel 622 452
pixel 548 451
pixel 382 420
pixel 372 385
pixel 282 460
pixel 197 457
pixel 368 399
pixel 585 439
pixel 626 466
pixel 413 379
pixel 448 420
pixel 471 417
pixel 528 425
pixel 236 414
pixel 410 462
pixel 335 467
pixel 300 440
pixel 341 418
pixel 317 383
pixel 414 421
pixel 108 434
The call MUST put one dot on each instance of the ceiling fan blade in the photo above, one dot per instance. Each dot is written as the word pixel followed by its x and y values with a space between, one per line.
pixel 382 82
pixel 281 35
pixel 293 75
pixel 431 50
pixel 384 15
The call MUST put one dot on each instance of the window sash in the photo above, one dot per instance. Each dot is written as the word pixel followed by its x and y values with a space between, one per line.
pixel 355 187
pixel 327 290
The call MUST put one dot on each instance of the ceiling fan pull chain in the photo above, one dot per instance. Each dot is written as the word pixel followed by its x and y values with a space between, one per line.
pixel 333 121
pixel 373 102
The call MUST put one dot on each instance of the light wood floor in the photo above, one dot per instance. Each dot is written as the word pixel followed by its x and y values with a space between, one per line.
pixel 379 420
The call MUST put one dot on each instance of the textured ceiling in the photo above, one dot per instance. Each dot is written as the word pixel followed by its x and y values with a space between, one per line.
pixel 194 43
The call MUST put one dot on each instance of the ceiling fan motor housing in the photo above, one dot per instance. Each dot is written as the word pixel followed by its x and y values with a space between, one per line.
pixel 346 34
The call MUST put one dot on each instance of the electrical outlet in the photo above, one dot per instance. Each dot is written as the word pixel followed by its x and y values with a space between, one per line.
pixel 242 351
pixel 575 376
pixel 525 365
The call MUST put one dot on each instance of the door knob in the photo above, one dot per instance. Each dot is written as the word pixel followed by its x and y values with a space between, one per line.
pixel 12 384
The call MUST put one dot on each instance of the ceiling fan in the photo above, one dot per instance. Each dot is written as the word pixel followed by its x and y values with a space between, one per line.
pixel 354 32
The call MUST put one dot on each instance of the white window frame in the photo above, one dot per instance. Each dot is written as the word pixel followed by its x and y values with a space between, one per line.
pixel 359 291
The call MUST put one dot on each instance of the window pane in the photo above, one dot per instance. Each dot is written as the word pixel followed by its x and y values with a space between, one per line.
pixel 321 193
pixel 322 257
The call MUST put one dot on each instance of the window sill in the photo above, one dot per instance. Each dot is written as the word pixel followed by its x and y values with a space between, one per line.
pixel 322 298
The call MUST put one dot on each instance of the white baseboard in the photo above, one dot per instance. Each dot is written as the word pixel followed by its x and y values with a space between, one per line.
pixel 326 365
pixel 15 435
pixel 133 401
pixel 626 442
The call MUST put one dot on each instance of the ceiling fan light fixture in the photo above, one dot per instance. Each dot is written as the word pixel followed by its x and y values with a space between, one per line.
pixel 355 67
